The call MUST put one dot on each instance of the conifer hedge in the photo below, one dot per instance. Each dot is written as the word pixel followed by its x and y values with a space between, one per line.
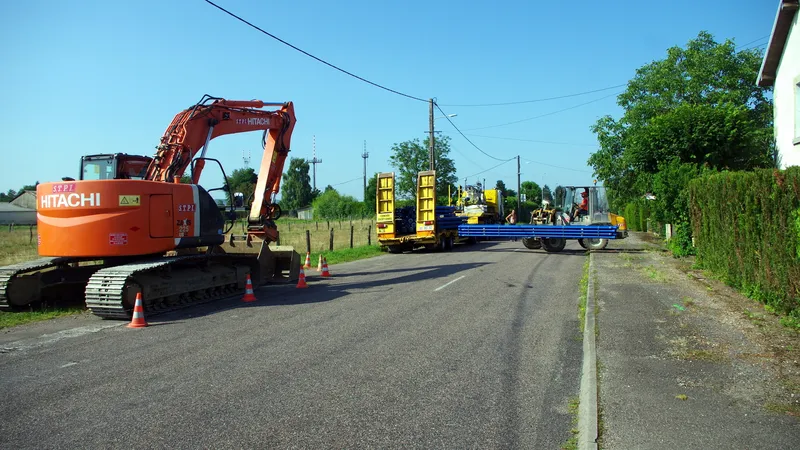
pixel 746 227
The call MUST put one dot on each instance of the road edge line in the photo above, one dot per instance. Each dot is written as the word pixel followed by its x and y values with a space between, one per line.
pixel 587 409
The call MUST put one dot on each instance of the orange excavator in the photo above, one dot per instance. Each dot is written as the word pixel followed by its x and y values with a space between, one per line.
pixel 129 226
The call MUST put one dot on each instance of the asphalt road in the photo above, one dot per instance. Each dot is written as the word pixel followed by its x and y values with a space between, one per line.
pixel 479 347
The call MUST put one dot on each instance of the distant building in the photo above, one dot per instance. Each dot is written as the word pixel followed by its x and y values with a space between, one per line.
pixel 25 199
pixel 781 70
pixel 14 214
pixel 306 213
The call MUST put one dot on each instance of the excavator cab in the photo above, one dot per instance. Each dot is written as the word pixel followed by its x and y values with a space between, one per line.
pixel 116 166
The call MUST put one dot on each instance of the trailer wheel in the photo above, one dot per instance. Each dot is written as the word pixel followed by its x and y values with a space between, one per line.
pixel 448 245
pixel 554 245
pixel 532 243
pixel 582 243
pixel 596 244
pixel 395 249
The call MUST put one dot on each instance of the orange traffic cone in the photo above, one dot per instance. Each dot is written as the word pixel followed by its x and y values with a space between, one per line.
pixel 325 272
pixel 319 266
pixel 307 265
pixel 248 291
pixel 301 282
pixel 138 313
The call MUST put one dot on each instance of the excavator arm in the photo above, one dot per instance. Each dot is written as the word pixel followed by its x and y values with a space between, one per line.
pixel 192 129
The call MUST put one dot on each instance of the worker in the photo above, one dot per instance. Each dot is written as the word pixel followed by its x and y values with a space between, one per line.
pixel 511 219
pixel 583 208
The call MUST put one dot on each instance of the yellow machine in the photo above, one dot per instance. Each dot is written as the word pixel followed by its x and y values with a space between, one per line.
pixel 480 206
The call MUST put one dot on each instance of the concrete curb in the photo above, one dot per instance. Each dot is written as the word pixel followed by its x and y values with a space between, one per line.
pixel 587 411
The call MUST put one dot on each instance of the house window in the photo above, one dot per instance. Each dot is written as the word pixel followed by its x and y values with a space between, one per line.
pixel 797 110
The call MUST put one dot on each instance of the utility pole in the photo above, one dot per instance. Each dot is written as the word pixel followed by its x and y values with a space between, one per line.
pixel 315 161
pixel 519 192
pixel 365 155
pixel 432 163
pixel 246 159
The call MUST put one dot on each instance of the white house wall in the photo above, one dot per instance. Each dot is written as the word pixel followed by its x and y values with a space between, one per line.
pixel 784 94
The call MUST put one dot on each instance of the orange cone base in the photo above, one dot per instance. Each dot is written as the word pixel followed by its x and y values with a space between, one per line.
pixel 325 272
pixel 248 291
pixel 138 314
pixel 301 282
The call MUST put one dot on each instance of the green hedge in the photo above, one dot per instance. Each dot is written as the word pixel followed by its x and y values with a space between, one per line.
pixel 747 230
pixel 636 215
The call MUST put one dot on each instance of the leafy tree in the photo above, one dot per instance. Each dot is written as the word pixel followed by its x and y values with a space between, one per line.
pixel 501 186
pixel 332 205
pixel 532 191
pixel 371 194
pixel 412 157
pixel 296 185
pixel 244 181
pixel 698 106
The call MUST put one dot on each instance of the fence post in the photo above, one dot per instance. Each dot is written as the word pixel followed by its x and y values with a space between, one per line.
pixel 331 247
pixel 351 236
pixel 328 222
pixel 31 230
pixel 308 241
pixel 316 224
pixel 369 235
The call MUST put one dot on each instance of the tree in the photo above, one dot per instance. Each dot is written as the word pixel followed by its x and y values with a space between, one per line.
pixel 371 194
pixel 332 205
pixel 244 181
pixel 532 191
pixel 412 157
pixel 501 186
pixel 698 106
pixel 296 185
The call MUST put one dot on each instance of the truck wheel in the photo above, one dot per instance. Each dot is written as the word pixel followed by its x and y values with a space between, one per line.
pixel 532 243
pixel 596 244
pixel 582 243
pixel 554 245
pixel 395 249
pixel 448 245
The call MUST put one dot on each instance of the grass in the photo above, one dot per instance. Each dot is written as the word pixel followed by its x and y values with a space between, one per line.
pixel 584 295
pixel 12 319
pixel 654 274
pixel 572 406
pixel 345 255
pixel 17 245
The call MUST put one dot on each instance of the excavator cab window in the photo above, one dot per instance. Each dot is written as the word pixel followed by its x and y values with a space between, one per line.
pixel 98 167
pixel 114 167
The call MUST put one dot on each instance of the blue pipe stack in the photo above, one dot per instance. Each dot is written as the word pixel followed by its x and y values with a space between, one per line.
pixel 446 218
pixel 405 221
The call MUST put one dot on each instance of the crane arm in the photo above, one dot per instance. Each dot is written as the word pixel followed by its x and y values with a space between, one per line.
pixel 192 129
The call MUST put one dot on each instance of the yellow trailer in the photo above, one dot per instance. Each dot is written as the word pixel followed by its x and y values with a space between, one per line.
pixel 425 225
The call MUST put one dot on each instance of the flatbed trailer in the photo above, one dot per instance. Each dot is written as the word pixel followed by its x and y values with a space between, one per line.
pixel 550 237
pixel 430 230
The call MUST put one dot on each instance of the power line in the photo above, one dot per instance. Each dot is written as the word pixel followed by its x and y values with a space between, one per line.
pixel 345 182
pixel 532 140
pixel 491 168
pixel 548 114
pixel 557 167
pixel 310 55
pixel 751 42
pixel 465 137
pixel 545 99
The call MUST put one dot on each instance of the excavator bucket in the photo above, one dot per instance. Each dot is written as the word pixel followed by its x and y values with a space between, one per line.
pixel 279 264
pixel 270 264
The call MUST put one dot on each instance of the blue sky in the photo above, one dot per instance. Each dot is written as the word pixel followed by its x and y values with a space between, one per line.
pixel 86 77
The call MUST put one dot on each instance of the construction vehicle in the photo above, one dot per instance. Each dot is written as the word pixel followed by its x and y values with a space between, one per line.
pixel 128 225
pixel 589 222
pixel 480 206
pixel 425 225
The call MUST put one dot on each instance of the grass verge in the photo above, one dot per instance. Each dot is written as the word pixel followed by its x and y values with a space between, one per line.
pixel 12 319
pixel 345 255
pixel 584 293
pixel 572 406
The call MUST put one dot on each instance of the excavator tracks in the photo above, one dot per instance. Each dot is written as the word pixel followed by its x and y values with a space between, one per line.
pixel 23 284
pixel 166 284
